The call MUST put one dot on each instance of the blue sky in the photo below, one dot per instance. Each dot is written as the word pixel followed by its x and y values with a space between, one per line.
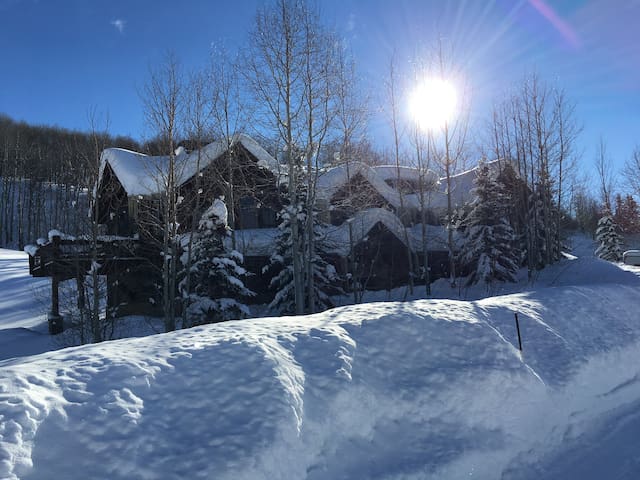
pixel 60 58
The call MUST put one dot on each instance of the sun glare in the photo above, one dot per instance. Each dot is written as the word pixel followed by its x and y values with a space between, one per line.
pixel 433 103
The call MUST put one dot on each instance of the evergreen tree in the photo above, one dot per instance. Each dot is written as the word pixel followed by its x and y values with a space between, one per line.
pixel 607 235
pixel 543 228
pixel 633 215
pixel 488 251
pixel 515 193
pixel 281 262
pixel 325 279
pixel 627 215
pixel 216 273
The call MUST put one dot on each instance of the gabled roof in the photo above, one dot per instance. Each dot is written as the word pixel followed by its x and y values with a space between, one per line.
pixel 135 171
pixel 342 238
pixel 462 186
pixel 333 179
pixel 142 174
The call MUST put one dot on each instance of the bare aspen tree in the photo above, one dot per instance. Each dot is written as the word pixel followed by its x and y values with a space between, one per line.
pixel 422 146
pixel 320 82
pixel 632 171
pixel 197 122
pixel 604 170
pixel 98 144
pixel 351 117
pixel 422 161
pixel 449 147
pixel 274 71
pixel 162 98
pixel 565 163
pixel 230 115
pixel 535 129
pixel 396 128
pixel 289 69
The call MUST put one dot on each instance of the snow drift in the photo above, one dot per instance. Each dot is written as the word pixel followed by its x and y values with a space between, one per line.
pixel 426 389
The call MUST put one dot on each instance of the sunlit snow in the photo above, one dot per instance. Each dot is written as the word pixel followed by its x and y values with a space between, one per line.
pixel 390 390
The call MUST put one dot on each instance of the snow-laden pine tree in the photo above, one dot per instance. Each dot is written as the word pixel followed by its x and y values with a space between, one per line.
pixel 489 250
pixel 607 235
pixel 216 273
pixel 281 264
pixel 325 279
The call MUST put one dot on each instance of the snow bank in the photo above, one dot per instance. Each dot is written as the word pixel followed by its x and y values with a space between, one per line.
pixel 426 389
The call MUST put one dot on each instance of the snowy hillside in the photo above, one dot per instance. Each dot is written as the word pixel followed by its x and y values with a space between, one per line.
pixel 424 389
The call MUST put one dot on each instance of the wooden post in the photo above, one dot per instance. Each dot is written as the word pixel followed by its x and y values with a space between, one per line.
pixel 518 329
pixel 54 319
pixel 82 303
pixel 55 296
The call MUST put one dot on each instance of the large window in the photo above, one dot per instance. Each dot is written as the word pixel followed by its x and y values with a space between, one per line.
pixel 254 214
pixel 248 215
pixel 267 217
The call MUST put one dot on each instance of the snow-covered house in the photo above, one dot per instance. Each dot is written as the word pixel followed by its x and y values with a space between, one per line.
pixel 382 222
pixel 374 213
pixel 377 215
pixel 130 185
pixel 370 211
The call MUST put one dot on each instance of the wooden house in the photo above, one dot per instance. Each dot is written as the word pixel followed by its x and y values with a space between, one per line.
pixel 374 215
pixel 131 184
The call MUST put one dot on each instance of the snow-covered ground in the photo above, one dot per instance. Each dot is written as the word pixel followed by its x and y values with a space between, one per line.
pixel 391 390
pixel 23 304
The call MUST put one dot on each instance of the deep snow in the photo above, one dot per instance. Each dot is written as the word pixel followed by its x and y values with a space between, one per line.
pixel 413 390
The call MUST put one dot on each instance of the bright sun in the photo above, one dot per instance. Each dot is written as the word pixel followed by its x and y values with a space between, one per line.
pixel 433 103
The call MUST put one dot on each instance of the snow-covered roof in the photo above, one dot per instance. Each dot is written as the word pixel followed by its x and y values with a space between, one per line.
pixel 392 172
pixel 142 174
pixel 135 171
pixel 356 229
pixel 362 223
pixel 259 242
pixel 333 179
pixel 462 185
pixel 437 237
pixel 255 242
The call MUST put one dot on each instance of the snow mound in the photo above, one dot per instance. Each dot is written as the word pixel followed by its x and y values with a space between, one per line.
pixel 425 389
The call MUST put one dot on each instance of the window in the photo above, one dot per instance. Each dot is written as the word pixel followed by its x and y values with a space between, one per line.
pixel 248 213
pixel 267 217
